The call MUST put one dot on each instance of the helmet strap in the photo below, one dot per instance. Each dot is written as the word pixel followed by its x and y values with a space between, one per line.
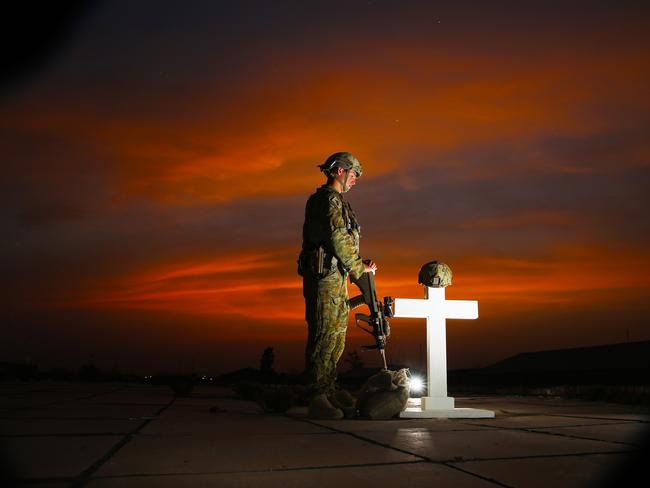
pixel 346 188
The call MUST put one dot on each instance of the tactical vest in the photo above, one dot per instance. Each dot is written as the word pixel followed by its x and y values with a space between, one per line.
pixel 314 258
pixel 352 224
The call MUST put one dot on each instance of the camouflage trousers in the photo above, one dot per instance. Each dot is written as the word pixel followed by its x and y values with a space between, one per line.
pixel 326 313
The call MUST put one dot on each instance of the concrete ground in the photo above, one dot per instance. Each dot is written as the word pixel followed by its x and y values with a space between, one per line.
pixel 123 435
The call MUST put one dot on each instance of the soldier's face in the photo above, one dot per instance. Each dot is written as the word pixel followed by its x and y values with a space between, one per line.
pixel 349 179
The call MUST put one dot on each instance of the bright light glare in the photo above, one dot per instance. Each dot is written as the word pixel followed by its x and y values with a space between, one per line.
pixel 416 384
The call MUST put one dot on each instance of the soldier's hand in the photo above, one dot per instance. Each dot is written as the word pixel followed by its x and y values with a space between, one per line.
pixel 370 266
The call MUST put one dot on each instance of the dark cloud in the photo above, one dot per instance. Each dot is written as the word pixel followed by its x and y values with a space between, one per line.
pixel 49 212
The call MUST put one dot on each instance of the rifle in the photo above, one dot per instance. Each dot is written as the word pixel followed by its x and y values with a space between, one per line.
pixel 380 312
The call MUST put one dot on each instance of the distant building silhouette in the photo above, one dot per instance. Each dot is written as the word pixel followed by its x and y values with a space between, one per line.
pixel 616 372
pixel 626 356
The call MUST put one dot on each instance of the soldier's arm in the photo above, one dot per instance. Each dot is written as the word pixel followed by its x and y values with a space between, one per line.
pixel 342 243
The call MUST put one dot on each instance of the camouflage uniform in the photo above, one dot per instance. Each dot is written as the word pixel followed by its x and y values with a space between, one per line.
pixel 330 223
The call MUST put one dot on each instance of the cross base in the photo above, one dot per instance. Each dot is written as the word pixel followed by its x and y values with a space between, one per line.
pixel 436 402
pixel 415 410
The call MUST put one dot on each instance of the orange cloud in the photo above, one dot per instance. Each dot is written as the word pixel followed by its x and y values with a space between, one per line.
pixel 262 286
pixel 251 285
pixel 265 139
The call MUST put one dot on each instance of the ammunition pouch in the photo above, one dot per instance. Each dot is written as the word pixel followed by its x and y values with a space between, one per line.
pixel 316 263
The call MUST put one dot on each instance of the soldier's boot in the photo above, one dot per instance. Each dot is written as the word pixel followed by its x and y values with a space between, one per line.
pixel 320 408
pixel 345 401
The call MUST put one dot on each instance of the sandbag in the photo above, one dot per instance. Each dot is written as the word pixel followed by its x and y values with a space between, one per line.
pixel 384 395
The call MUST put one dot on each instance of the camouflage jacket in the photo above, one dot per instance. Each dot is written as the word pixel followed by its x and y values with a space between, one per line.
pixel 331 223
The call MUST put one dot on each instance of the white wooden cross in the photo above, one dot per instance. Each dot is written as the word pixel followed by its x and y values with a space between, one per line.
pixel 436 309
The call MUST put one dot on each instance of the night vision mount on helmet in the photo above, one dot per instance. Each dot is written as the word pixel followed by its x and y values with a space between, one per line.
pixel 343 160
pixel 435 274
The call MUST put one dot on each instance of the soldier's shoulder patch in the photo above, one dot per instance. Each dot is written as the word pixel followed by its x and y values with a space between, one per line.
pixel 335 201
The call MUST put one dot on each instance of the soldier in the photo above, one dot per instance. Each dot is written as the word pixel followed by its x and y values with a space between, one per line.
pixel 330 251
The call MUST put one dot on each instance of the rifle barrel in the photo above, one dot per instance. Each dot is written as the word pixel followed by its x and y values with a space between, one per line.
pixel 383 357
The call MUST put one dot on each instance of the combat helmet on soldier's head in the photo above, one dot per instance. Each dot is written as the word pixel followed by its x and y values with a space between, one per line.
pixel 343 160
pixel 435 274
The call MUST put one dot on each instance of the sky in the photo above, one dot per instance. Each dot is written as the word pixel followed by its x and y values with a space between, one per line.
pixel 157 157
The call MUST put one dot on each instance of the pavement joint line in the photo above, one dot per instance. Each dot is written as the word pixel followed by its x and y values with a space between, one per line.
pixel 27 392
pixel 476 475
pixel 451 463
pixel 432 461
pixel 128 404
pixel 49 404
pixel 289 434
pixel 81 434
pixel 445 461
pixel 640 421
pixel 559 434
pixel 433 429
pixel 424 429
pixel 73 418
pixel 38 481
pixel 612 416
pixel 617 422
pixel 552 426
pixel 539 456
pixel 573 436
pixel 253 471
pixel 86 474
pixel 403 451
pixel 364 439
